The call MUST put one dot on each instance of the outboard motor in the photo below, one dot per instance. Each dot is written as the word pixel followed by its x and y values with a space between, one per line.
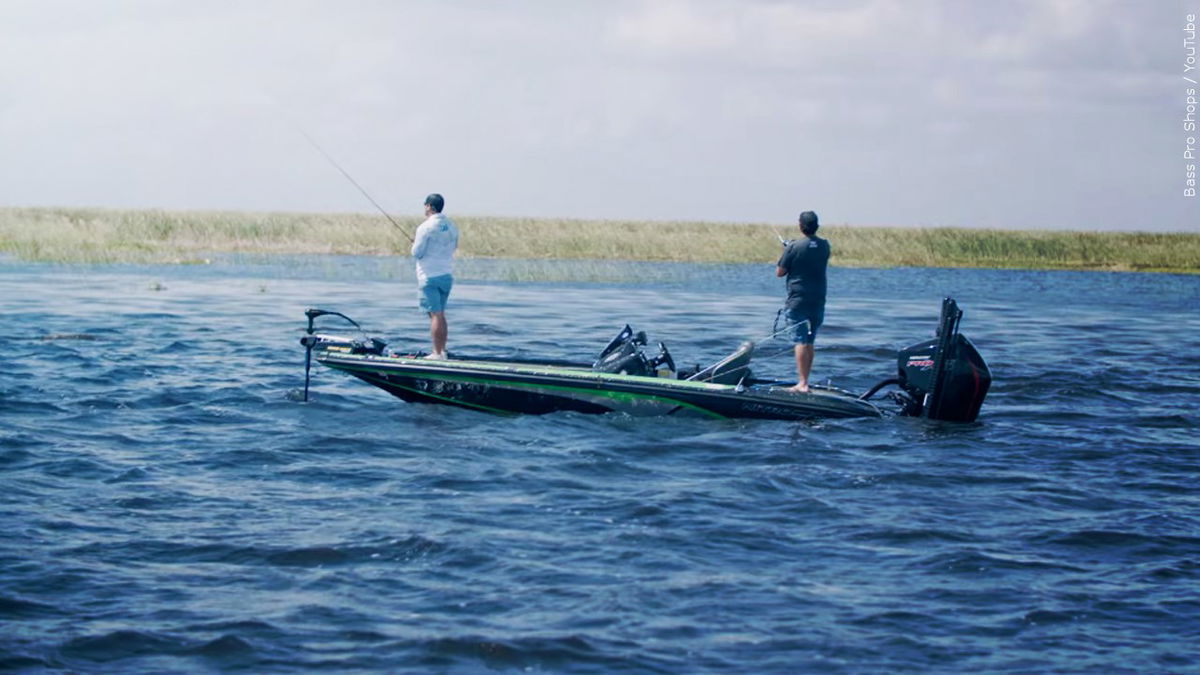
pixel 945 378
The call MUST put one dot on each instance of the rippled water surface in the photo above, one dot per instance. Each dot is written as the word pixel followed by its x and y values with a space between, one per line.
pixel 169 505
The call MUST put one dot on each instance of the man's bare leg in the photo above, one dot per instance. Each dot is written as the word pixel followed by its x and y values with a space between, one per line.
pixel 804 361
pixel 437 332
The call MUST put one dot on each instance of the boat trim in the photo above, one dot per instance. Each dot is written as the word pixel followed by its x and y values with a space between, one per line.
pixel 373 373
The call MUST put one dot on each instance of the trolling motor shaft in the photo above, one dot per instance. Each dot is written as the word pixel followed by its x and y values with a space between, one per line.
pixel 309 341
pixel 367 345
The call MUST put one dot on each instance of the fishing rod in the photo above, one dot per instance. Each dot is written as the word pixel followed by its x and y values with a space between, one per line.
pixel 354 182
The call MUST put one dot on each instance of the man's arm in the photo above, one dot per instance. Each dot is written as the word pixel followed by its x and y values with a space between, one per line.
pixel 419 240
pixel 781 267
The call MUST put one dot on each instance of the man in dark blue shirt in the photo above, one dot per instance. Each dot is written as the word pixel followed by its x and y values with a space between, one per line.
pixel 803 263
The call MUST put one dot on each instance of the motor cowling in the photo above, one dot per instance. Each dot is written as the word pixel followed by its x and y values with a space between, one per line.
pixel 946 378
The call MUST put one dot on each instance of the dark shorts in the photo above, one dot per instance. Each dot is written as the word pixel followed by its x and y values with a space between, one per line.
pixel 435 292
pixel 804 322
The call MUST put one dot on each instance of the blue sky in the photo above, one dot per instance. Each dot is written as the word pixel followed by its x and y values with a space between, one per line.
pixel 1043 114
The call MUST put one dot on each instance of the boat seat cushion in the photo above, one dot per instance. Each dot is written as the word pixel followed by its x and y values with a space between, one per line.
pixel 729 370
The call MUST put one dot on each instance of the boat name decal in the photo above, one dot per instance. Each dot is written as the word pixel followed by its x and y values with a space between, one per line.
pixel 772 409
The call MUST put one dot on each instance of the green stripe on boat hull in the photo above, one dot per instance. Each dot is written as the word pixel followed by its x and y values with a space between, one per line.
pixel 517 388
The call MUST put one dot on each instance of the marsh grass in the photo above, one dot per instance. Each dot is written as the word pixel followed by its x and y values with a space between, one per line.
pixel 152 236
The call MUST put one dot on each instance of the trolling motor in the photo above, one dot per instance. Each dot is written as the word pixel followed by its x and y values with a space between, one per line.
pixel 944 378
pixel 367 345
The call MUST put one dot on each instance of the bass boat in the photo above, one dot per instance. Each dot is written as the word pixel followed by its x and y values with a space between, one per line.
pixel 944 378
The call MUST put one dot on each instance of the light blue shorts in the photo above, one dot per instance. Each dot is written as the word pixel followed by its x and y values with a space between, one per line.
pixel 434 293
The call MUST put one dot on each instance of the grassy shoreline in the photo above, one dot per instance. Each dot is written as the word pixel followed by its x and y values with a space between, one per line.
pixel 84 235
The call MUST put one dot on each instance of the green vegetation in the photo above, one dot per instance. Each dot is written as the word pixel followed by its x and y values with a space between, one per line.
pixel 97 235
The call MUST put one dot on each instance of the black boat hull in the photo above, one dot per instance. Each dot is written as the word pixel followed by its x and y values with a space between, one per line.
pixel 944 379
pixel 519 388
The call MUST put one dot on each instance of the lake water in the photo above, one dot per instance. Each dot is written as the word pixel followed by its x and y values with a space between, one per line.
pixel 169 505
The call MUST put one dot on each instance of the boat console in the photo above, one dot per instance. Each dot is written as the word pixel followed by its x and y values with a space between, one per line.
pixel 623 355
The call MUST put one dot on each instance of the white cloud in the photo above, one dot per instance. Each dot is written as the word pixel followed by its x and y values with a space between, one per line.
pixel 880 110
pixel 677 25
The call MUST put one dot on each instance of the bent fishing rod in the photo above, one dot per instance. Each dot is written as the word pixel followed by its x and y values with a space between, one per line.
pixel 353 182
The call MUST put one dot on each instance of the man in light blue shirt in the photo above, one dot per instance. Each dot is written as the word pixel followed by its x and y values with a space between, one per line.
pixel 434 244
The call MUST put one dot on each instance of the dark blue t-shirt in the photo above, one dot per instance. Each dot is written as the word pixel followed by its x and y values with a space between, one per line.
pixel 805 261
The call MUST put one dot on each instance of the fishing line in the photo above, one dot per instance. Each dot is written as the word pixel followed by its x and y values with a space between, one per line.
pixel 788 325
pixel 352 181
pixel 311 141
